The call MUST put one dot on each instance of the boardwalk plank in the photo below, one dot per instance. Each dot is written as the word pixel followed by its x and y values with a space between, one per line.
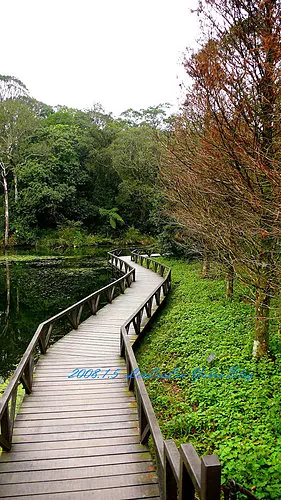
pixel 123 493
pixel 32 455
pixel 85 484
pixel 59 474
pixel 59 437
pixel 73 463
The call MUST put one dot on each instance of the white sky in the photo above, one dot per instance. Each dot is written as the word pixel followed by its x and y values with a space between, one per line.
pixel 121 53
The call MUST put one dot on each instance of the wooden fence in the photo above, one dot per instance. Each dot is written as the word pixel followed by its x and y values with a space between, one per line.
pixel 181 472
pixel 40 342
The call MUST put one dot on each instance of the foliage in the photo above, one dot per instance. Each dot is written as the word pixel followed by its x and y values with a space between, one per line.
pixel 133 236
pixel 135 157
pixel 237 419
pixel 62 165
pixel 113 217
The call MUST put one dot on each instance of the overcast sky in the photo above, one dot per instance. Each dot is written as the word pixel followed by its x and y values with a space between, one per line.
pixel 121 53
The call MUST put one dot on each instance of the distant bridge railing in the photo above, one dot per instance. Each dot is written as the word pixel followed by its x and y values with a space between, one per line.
pixel 25 370
pixel 181 472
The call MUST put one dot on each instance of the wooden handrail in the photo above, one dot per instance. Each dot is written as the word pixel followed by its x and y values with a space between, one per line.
pixel 24 371
pixel 181 472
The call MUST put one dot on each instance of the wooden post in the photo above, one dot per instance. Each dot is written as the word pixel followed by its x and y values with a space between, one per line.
pixel 27 375
pixel 157 296
pixel 72 317
pixel 5 438
pixel 210 478
pixel 42 341
pixel 137 321
pixel 144 425
pixel 148 307
pixel 94 302
pixel 109 292
pixel 171 470
pixel 122 345
pixel 190 472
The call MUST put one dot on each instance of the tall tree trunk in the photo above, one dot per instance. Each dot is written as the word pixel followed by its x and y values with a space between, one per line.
pixel 229 282
pixel 262 308
pixel 265 287
pixel 6 201
pixel 8 295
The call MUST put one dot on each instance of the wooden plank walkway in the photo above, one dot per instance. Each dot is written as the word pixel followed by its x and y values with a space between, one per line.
pixel 78 438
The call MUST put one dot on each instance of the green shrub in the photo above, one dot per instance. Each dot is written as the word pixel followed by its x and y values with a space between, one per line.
pixel 238 419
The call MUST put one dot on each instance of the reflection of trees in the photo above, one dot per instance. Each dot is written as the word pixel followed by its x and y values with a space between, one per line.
pixel 33 291
pixel 8 291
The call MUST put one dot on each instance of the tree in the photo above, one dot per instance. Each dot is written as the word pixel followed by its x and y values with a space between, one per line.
pixel 135 157
pixel 234 154
pixel 17 120
pixel 66 174
pixel 11 88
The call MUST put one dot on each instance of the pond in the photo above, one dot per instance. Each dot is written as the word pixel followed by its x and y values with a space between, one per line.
pixel 35 287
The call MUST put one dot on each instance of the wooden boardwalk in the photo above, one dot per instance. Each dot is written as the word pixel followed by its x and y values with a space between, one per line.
pixel 78 438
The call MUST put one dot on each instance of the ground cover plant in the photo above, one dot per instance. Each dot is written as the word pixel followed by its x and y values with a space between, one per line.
pixel 226 403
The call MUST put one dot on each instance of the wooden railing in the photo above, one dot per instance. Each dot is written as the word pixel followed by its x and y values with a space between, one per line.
pixel 24 372
pixel 232 490
pixel 181 472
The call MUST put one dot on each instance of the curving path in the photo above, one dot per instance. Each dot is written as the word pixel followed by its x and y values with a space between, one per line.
pixel 78 438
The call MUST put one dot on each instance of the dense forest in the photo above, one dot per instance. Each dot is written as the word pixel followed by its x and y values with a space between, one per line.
pixel 69 174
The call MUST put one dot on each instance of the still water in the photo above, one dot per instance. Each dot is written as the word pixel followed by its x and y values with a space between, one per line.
pixel 35 287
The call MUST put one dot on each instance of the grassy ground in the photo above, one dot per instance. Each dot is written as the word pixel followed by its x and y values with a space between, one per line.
pixel 229 405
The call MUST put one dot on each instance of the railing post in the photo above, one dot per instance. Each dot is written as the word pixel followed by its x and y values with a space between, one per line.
pixel 210 478
pixel 144 426
pixel 148 307
pixel 73 316
pixel 109 294
pixel 171 470
pixel 122 345
pixel 44 337
pixel 5 438
pixel 42 341
pixel 157 296
pixel 189 466
pixel 94 302
pixel 137 322
pixel 27 375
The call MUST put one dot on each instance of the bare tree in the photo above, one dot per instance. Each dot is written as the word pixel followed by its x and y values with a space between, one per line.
pixel 227 144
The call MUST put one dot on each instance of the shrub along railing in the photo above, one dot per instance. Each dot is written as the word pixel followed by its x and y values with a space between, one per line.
pixel 180 472
pixel 40 341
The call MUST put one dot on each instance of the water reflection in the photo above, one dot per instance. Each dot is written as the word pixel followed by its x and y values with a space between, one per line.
pixel 33 290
